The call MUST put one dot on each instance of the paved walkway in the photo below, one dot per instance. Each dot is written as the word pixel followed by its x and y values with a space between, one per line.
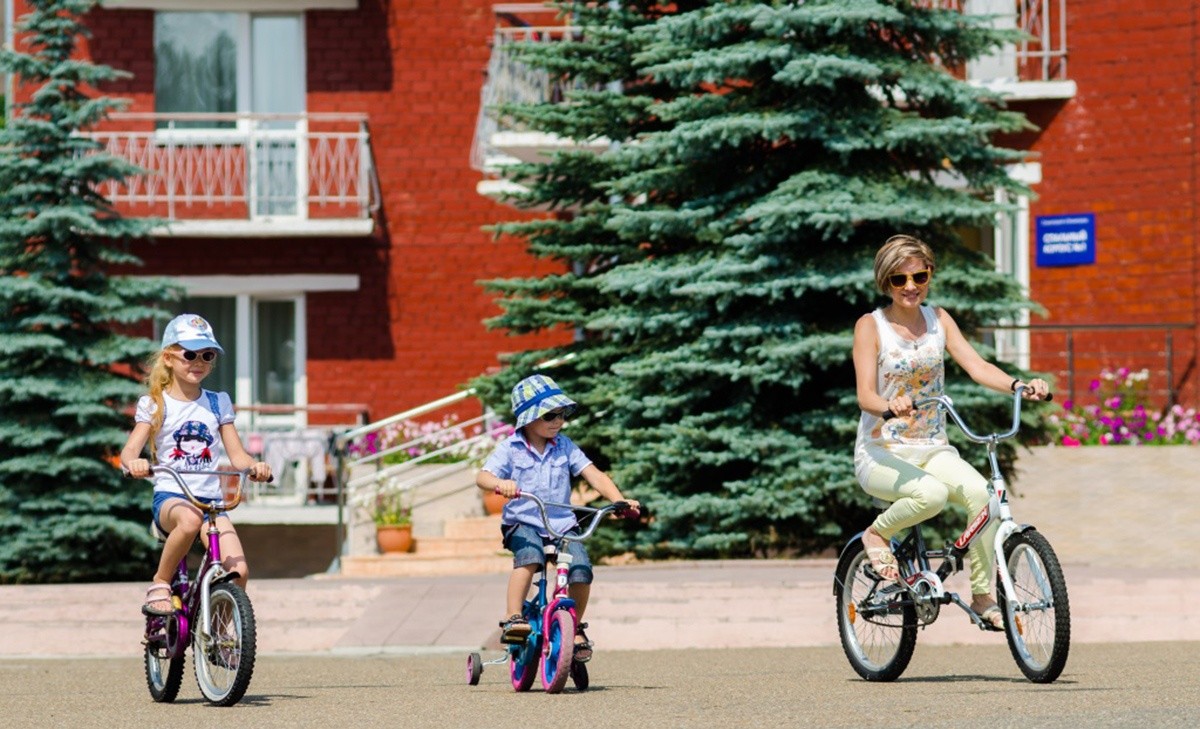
pixel 1124 533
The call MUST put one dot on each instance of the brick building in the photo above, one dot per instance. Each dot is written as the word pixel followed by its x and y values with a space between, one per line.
pixel 312 158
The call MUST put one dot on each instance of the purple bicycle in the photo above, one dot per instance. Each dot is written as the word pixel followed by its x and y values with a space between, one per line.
pixel 549 646
pixel 211 612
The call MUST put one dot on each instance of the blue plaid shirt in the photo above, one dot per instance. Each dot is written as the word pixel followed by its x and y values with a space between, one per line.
pixel 547 475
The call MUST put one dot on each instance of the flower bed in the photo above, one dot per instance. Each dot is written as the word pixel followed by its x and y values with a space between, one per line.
pixel 1120 415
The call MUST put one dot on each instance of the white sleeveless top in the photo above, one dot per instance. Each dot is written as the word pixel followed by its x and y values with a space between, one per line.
pixel 916 369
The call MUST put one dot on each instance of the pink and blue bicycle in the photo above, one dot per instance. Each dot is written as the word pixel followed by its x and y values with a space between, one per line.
pixel 212 613
pixel 549 648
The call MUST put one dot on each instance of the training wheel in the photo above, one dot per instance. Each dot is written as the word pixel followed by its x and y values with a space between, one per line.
pixel 474 669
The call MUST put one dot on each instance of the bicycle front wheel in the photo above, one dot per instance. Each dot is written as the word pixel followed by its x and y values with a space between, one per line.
pixel 560 646
pixel 1037 617
pixel 877 626
pixel 225 657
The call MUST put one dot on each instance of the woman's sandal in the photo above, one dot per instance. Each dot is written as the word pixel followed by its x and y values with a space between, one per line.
pixel 882 558
pixel 158 601
pixel 583 648
pixel 987 617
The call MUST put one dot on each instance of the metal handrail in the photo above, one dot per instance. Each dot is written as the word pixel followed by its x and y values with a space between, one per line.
pixel 1071 351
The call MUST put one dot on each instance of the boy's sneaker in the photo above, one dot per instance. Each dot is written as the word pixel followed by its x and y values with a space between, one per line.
pixel 514 630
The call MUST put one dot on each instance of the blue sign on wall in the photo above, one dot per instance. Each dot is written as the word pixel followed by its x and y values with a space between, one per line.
pixel 1066 240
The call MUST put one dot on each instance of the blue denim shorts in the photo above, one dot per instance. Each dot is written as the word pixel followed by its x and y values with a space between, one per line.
pixel 526 545
pixel 162 497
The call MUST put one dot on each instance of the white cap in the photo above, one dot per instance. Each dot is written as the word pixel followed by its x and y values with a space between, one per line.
pixel 191 332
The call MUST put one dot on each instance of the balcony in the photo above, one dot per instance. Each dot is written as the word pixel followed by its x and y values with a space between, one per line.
pixel 246 175
pixel 1035 68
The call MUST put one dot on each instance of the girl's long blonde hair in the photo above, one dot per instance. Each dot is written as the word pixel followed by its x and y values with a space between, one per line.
pixel 158 379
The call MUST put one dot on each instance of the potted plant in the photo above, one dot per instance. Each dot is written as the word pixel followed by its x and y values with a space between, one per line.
pixel 393 521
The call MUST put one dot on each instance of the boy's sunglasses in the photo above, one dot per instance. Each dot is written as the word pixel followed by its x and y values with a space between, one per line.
pixel 206 356
pixel 900 280
pixel 555 415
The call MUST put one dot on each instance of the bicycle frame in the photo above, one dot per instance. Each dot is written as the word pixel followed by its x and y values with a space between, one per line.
pixel 917 576
pixel 209 572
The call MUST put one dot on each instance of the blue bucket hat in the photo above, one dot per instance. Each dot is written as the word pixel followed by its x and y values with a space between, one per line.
pixel 191 332
pixel 535 396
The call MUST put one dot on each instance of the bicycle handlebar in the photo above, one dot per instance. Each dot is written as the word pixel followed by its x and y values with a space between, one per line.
pixel 620 508
pixel 221 505
pixel 948 404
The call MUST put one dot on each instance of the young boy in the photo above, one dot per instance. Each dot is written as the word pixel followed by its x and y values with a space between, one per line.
pixel 538 459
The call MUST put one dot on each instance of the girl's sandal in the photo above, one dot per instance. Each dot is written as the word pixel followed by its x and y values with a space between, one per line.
pixel 158 600
pixel 583 648
pixel 882 558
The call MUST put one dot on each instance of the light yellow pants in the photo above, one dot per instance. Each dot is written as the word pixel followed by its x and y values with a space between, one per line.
pixel 920 492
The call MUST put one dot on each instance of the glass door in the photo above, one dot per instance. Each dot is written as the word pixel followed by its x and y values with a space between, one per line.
pixel 278 87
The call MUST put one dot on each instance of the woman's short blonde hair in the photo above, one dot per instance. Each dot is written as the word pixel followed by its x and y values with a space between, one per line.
pixel 892 255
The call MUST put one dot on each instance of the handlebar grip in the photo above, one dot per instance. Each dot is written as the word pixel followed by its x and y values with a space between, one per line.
pixel 514 496
pixel 887 414
pixel 1049 396
pixel 623 509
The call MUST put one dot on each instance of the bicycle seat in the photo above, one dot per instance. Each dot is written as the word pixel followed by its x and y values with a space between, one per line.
pixel 157 533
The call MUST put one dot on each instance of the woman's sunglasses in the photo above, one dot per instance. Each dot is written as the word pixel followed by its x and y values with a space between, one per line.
pixel 900 280
pixel 555 415
pixel 206 356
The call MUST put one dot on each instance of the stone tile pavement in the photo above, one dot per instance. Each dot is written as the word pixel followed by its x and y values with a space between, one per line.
pixel 1125 532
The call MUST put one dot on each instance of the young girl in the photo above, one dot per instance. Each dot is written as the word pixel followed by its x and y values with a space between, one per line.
pixel 177 418
pixel 902 455
pixel 538 459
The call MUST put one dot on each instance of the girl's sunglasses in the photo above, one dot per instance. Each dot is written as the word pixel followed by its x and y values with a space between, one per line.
pixel 555 415
pixel 206 356
pixel 900 280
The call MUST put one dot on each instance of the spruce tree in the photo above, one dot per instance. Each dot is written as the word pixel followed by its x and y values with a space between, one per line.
pixel 67 373
pixel 727 243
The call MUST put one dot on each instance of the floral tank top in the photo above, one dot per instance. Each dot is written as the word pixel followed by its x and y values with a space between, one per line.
pixel 913 368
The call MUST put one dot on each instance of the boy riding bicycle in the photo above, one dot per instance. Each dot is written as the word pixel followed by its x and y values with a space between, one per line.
pixel 538 459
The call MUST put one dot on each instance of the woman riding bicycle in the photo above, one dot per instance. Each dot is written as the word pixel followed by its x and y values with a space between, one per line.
pixel 902 455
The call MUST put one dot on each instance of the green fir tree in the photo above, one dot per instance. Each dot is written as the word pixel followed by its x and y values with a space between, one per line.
pixel 720 253
pixel 67 374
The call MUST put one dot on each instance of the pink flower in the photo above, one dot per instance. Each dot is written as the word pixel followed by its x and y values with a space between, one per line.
pixel 1069 441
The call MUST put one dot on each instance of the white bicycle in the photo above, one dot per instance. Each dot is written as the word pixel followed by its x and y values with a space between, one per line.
pixel 878 618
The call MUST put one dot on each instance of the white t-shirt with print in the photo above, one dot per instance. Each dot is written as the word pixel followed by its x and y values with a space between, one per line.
pixel 190 439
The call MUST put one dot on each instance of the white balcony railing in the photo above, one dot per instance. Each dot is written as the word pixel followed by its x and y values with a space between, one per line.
pixel 1041 57
pixel 259 174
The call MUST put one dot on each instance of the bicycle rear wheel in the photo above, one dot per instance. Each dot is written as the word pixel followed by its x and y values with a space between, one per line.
pixel 878 631
pixel 1037 618
pixel 164 674
pixel 225 659
pixel 523 663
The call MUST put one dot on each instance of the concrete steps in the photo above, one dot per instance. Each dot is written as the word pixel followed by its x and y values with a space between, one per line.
pixel 470 546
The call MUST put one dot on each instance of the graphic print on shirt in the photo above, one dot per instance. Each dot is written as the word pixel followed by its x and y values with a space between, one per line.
pixel 918 374
pixel 192 441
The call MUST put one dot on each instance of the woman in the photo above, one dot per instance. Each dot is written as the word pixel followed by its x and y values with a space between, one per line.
pixel 902 455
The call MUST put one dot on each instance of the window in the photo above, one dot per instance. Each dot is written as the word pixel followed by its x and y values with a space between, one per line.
pixel 228 62
pixel 263 362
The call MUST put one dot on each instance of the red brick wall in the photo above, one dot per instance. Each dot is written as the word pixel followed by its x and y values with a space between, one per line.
pixel 414 331
pixel 1124 149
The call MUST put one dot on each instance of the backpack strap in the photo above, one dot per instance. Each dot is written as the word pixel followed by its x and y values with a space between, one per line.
pixel 214 405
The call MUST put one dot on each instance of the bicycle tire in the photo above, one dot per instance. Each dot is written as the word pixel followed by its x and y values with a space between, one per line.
pixel 1038 637
pixel 560 651
pixel 579 675
pixel 164 674
pixel 523 666
pixel 225 663
pixel 878 647
pixel 474 669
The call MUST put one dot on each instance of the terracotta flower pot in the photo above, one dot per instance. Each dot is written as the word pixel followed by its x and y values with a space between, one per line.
pixel 392 539
pixel 493 503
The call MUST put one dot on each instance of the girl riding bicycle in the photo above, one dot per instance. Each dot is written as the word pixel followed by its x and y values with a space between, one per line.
pixel 538 459
pixel 902 455
pixel 178 419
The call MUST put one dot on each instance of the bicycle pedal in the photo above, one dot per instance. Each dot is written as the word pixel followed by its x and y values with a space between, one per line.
pixel 513 639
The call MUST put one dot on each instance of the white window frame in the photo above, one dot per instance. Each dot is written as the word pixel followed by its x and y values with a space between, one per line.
pixel 246 290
